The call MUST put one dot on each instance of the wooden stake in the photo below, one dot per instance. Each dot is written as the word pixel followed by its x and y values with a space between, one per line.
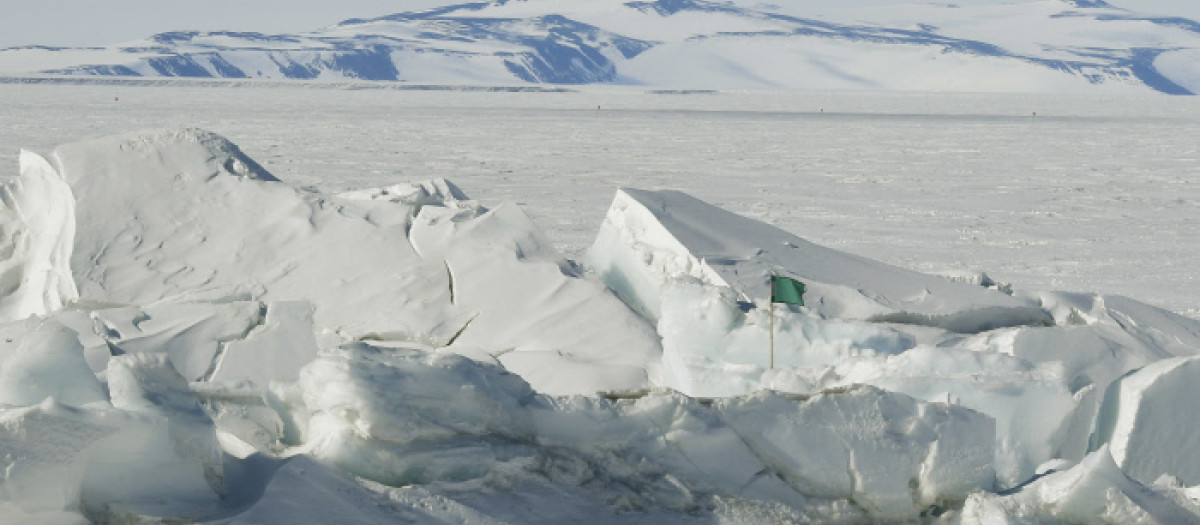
pixel 772 314
pixel 772 335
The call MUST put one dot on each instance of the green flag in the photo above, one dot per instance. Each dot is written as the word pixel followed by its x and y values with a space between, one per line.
pixel 785 290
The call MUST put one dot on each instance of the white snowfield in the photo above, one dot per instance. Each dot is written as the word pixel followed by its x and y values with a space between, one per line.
pixel 187 338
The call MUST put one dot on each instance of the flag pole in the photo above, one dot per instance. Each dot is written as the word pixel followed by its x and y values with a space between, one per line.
pixel 772 314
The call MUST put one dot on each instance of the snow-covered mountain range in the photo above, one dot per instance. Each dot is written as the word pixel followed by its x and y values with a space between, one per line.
pixel 977 45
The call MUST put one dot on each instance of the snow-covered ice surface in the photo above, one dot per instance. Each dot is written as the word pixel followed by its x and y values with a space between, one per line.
pixel 316 325
pixel 1094 194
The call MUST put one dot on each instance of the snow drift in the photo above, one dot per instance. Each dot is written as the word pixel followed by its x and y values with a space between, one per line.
pixel 186 337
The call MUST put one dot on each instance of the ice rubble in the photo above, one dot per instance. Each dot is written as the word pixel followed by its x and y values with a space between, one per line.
pixel 1094 491
pixel 183 216
pixel 187 337
pixel 1039 363
pixel 405 416
pixel 151 451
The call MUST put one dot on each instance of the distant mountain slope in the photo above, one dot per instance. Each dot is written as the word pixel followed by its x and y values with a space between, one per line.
pixel 1042 45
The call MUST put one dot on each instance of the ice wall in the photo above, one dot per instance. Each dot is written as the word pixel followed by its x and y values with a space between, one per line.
pixel 37 235
pixel 1145 421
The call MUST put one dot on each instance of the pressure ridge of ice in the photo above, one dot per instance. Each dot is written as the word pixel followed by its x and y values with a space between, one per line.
pixel 186 337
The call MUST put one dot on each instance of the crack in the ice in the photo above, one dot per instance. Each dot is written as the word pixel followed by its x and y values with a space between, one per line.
pixel 460 331
pixel 762 457
pixel 215 365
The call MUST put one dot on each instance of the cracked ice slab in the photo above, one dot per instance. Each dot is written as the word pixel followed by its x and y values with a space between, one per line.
pixel 183 216
pixel 888 453
pixel 1142 424
pixel 649 238
pixel 404 416
pixel 152 451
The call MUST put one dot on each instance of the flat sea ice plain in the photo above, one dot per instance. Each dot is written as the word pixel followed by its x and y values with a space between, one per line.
pixel 1093 193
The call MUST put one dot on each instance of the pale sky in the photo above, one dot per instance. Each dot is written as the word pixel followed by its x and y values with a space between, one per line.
pixel 103 22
